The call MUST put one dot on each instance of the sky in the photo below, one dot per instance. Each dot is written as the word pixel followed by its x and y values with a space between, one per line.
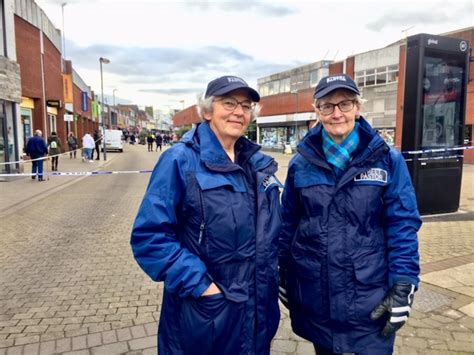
pixel 163 53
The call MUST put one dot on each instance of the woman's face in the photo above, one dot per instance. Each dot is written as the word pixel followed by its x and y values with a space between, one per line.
pixel 229 124
pixel 338 124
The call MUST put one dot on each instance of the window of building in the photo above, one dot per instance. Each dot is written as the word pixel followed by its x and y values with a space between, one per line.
pixel 360 78
pixel 285 85
pixel 381 76
pixel 52 123
pixel 314 78
pixel 378 76
pixel 3 32
pixel 370 77
pixel 271 89
pixel 392 73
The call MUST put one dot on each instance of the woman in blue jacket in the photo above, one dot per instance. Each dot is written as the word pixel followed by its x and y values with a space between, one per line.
pixel 208 227
pixel 349 260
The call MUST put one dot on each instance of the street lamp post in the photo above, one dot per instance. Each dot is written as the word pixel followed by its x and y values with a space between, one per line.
pixel 103 61
pixel 113 94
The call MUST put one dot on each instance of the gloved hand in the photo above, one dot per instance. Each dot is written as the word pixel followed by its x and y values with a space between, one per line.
pixel 282 288
pixel 398 305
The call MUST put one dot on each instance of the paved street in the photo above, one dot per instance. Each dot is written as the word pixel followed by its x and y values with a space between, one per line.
pixel 69 283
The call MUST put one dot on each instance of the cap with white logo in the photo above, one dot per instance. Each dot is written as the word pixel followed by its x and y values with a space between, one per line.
pixel 334 82
pixel 226 84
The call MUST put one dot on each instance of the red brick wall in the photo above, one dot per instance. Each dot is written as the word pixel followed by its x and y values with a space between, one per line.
pixel 28 50
pixel 287 103
pixel 400 97
pixel 83 123
pixel 29 59
pixel 336 68
pixel 279 104
pixel 350 64
pixel 186 117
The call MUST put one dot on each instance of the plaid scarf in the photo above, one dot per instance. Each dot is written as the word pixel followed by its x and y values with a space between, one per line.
pixel 339 155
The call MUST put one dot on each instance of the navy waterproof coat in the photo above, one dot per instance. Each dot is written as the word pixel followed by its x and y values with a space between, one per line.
pixel 345 243
pixel 205 219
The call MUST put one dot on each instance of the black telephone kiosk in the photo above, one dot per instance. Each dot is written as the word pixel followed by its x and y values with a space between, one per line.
pixel 433 119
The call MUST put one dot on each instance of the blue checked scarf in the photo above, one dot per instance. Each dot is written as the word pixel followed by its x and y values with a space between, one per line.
pixel 339 155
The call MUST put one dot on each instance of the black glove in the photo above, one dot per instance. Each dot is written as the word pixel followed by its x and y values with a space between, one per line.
pixel 398 305
pixel 282 293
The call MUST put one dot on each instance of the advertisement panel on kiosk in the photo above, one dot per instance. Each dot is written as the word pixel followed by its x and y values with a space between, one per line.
pixel 433 119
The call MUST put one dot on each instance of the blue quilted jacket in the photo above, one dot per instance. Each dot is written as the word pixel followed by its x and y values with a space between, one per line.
pixel 345 242
pixel 205 219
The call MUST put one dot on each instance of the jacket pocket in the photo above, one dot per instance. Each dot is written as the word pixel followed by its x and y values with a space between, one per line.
pixel 305 290
pixel 210 324
pixel 371 285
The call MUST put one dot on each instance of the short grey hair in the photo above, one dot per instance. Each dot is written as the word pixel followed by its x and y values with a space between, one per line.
pixel 205 105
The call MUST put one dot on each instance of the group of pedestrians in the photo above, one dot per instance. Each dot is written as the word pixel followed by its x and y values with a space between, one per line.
pixel 38 150
pixel 340 249
pixel 154 138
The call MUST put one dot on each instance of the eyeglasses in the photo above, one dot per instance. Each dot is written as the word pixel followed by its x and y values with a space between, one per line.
pixel 230 104
pixel 344 106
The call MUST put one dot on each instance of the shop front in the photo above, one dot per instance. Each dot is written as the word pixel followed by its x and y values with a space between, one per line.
pixel 275 132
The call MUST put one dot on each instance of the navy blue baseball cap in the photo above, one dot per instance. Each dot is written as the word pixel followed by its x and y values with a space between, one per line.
pixel 334 82
pixel 226 84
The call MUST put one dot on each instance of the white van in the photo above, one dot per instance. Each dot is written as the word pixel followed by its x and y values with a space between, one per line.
pixel 113 140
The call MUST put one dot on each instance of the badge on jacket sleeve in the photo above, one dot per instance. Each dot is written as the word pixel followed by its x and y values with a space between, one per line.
pixel 269 181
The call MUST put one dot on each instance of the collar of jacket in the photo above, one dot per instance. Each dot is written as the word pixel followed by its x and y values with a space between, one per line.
pixel 204 140
pixel 370 148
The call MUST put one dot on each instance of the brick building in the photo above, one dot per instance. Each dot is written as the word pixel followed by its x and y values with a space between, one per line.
pixel 287 96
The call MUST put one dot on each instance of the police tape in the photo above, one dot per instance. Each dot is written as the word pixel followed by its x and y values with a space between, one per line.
pixel 437 150
pixel 81 173
pixel 408 152
pixel 46 157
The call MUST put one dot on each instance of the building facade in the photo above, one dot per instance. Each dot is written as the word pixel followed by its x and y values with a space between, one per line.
pixel 287 97
pixel 10 91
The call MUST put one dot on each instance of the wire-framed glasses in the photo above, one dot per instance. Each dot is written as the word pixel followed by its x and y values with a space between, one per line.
pixel 230 104
pixel 344 106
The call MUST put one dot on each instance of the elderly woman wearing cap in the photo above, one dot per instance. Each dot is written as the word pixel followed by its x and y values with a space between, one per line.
pixel 349 259
pixel 208 227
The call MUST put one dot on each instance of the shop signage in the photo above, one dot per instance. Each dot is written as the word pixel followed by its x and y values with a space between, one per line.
pixel 85 105
pixel 53 103
pixel 68 118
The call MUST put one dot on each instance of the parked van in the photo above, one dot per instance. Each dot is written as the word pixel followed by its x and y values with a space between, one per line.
pixel 113 140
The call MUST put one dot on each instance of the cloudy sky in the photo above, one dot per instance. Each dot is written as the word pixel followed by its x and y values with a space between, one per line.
pixel 164 52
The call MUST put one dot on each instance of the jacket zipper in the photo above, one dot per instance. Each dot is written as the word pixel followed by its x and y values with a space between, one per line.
pixel 203 218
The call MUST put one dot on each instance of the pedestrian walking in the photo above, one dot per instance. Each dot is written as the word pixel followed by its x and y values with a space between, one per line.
pixel 72 143
pixel 88 145
pixel 159 141
pixel 349 262
pixel 208 227
pixel 36 149
pixel 150 138
pixel 54 146
pixel 97 142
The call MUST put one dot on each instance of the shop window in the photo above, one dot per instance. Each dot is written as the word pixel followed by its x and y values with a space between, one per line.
pixel 52 123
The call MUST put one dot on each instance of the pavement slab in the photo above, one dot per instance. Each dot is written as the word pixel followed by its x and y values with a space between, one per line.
pixel 80 291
